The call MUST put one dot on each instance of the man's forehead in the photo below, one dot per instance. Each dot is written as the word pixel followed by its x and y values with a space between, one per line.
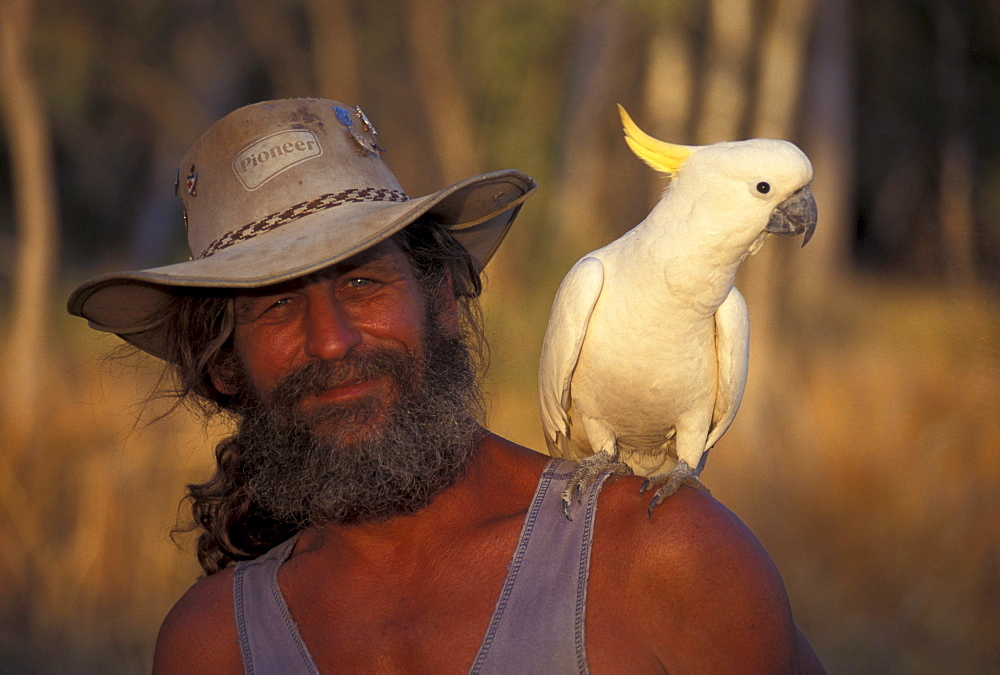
pixel 387 252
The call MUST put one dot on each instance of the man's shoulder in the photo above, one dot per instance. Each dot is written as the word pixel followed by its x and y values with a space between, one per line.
pixel 695 574
pixel 199 632
pixel 685 513
pixel 690 530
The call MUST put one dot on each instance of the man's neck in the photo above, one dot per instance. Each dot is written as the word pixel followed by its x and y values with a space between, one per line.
pixel 498 483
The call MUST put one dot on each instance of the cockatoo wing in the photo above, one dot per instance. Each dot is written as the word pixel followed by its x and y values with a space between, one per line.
pixel 732 346
pixel 571 311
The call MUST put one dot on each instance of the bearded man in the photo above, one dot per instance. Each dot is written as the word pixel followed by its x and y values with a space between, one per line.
pixel 361 518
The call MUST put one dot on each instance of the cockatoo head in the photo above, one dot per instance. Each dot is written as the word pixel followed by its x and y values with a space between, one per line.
pixel 765 180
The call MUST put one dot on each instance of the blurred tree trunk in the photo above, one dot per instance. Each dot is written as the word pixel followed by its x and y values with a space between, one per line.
pixel 595 72
pixel 335 52
pixel 784 51
pixel 670 84
pixel 828 139
pixel 267 26
pixel 955 208
pixel 447 105
pixel 26 127
pixel 726 80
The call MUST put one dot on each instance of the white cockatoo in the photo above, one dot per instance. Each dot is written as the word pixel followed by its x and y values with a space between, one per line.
pixel 645 356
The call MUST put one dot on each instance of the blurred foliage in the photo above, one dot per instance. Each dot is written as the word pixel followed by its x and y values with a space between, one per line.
pixel 865 457
pixel 131 85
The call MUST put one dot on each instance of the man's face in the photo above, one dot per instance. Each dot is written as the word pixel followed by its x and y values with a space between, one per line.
pixel 358 399
pixel 368 304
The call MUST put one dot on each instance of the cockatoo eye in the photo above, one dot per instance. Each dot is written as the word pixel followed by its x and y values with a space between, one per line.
pixel 763 187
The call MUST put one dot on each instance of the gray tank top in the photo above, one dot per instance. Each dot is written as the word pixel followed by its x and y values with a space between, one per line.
pixel 537 625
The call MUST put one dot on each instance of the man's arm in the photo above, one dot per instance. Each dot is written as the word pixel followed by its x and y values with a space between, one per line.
pixel 199 633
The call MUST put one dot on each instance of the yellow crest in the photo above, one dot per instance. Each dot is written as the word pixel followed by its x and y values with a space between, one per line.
pixel 662 156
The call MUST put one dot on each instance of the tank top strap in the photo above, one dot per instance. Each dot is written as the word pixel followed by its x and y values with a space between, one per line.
pixel 269 639
pixel 538 623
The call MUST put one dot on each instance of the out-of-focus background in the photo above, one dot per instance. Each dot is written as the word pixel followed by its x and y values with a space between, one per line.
pixel 866 454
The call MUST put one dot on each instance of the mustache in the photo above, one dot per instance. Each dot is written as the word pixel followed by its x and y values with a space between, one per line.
pixel 316 377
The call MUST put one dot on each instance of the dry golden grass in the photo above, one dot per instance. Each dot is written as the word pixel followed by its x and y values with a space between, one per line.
pixel 87 507
pixel 873 477
pixel 867 464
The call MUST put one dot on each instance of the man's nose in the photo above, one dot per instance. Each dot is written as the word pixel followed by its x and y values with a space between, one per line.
pixel 330 330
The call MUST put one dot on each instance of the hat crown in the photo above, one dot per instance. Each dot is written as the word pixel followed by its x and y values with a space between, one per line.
pixel 274 160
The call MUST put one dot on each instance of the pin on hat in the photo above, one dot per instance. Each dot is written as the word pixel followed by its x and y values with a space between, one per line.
pixel 281 189
pixel 362 131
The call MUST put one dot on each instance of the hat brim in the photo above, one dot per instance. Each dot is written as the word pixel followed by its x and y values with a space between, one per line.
pixel 477 211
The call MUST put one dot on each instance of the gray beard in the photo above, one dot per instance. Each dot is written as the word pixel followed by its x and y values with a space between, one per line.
pixel 333 465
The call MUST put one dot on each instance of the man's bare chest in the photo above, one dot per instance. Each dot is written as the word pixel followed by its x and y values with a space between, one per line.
pixel 424 615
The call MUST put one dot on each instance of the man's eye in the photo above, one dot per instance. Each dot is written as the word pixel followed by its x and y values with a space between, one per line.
pixel 274 305
pixel 359 282
pixel 259 308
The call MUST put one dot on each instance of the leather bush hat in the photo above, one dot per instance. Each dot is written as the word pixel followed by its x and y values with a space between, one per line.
pixel 281 189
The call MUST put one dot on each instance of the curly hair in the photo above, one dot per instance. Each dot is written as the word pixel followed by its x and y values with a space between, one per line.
pixel 200 325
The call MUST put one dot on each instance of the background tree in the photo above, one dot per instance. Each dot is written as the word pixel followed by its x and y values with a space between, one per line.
pixel 26 128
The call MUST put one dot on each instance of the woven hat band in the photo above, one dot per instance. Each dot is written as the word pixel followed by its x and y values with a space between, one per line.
pixel 321 203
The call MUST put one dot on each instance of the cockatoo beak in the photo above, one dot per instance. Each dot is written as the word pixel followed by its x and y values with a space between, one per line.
pixel 795 215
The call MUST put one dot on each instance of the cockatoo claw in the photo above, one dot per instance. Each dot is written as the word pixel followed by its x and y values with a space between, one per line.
pixel 587 474
pixel 567 500
pixel 681 474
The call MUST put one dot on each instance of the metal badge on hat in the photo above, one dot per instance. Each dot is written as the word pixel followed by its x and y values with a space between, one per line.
pixel 360 128
pixel 191 184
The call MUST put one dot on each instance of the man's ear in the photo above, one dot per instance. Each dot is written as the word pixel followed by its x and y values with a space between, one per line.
pixel 222 377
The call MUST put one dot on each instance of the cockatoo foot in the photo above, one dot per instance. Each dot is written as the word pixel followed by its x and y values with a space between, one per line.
pixel 587 473
pixel 672 481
